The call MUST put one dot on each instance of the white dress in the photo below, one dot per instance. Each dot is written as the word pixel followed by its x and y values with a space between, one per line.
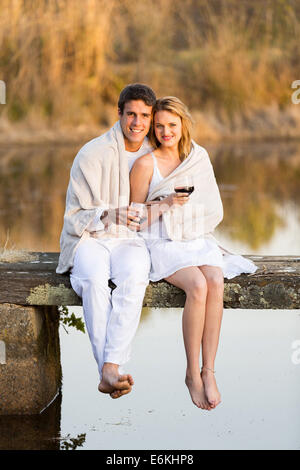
pixel 168 256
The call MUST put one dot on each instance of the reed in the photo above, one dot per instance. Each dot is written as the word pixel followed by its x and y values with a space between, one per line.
pixel 54 57
pixel 65 61
pixel 13 255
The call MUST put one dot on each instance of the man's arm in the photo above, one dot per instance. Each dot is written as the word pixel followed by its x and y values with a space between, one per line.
pixel 97 224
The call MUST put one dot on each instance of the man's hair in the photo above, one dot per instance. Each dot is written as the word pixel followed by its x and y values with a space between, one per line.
pixel 136 91
pixel 174 106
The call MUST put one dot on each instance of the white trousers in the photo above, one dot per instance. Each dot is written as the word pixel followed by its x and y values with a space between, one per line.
pixel 111 318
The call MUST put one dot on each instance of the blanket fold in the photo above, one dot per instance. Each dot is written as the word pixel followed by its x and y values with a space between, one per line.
pixel 201 215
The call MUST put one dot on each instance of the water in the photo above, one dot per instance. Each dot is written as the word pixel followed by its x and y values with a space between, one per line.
pixel 258 381
pixel 257 367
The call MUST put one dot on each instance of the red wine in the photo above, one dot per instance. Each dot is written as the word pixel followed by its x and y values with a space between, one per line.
pixel 184 189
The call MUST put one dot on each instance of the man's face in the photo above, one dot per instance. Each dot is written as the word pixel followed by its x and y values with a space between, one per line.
pixel 135 122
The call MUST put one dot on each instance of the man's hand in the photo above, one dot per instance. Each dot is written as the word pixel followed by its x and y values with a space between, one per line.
pixel 121 216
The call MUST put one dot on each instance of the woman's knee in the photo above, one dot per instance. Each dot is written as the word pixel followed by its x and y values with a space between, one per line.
pixel 197 289
pixel 215 280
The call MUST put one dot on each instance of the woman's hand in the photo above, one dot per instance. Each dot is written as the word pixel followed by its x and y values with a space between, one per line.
pixel 175 199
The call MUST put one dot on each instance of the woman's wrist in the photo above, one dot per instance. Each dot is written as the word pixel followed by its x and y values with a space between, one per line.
pixel 163 206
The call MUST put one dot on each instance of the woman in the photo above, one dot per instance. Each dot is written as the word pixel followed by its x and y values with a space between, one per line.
pixel 189 258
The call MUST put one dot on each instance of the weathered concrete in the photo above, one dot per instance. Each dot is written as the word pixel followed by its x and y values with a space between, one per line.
pixel 30 374
pixel 276 284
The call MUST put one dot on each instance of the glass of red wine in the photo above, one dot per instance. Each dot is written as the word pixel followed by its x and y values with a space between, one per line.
pixel 185 185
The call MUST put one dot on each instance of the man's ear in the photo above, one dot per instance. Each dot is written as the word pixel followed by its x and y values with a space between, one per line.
pixel 119 112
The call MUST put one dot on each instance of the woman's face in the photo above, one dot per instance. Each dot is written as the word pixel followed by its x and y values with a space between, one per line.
pixel 167 128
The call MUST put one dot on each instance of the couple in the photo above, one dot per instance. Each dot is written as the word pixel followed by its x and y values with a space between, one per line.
pixel 140 160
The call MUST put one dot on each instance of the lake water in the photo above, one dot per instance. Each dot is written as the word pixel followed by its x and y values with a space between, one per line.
pixel 258 370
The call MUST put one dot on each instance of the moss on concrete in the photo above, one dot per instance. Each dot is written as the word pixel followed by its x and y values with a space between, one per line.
pixel 51 295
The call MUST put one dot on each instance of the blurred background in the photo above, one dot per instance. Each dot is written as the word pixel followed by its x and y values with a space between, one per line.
pixel 233 62
pixel 64 63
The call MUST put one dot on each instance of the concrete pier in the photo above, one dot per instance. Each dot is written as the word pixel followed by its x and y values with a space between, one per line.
pixel 30 370
pixel 31 291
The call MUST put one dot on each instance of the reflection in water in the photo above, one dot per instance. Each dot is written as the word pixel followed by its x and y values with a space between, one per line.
pixel 35 432
pixel 255 181
pixel 33 184
pixel 72 443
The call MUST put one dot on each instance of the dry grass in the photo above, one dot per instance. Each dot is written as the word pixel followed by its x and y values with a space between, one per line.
pixel 11 255
pixel 65 61
pixel 54 56
pixel 16 256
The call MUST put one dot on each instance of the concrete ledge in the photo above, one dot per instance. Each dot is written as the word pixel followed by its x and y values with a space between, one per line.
pixel 275 285
pixel 30 374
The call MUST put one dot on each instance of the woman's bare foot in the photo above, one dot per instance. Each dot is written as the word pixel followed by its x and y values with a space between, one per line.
pixel 113 383
pixel 210 386
pixel 196 388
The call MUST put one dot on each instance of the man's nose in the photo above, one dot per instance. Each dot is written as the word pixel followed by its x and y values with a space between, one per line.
pixel 137 120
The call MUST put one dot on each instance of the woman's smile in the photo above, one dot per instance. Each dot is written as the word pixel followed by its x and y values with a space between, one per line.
pixel 168 127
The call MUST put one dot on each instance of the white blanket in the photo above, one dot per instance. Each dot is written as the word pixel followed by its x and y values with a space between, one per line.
pixel 99 179
pixel 201 215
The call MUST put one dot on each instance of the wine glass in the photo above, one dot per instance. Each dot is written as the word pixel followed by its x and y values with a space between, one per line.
pixel 141 209
pixel 184 184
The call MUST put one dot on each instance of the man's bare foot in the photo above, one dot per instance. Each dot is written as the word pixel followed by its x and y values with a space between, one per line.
pixel 113 383
pixel 196 388
pixel 210 386
pixel 120 393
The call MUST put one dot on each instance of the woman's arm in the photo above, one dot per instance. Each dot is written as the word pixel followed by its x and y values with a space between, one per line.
pixel 140 178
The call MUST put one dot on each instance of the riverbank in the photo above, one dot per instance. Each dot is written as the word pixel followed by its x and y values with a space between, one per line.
pixel 268 123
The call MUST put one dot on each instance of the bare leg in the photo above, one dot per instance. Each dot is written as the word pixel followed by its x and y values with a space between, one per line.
pixel 114 383
pixel 211 332
pixel 192 281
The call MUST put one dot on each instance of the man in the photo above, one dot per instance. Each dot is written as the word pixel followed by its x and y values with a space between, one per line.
pixel 99 240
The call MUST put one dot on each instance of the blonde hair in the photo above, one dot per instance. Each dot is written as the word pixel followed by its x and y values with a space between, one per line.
pixel 175 106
